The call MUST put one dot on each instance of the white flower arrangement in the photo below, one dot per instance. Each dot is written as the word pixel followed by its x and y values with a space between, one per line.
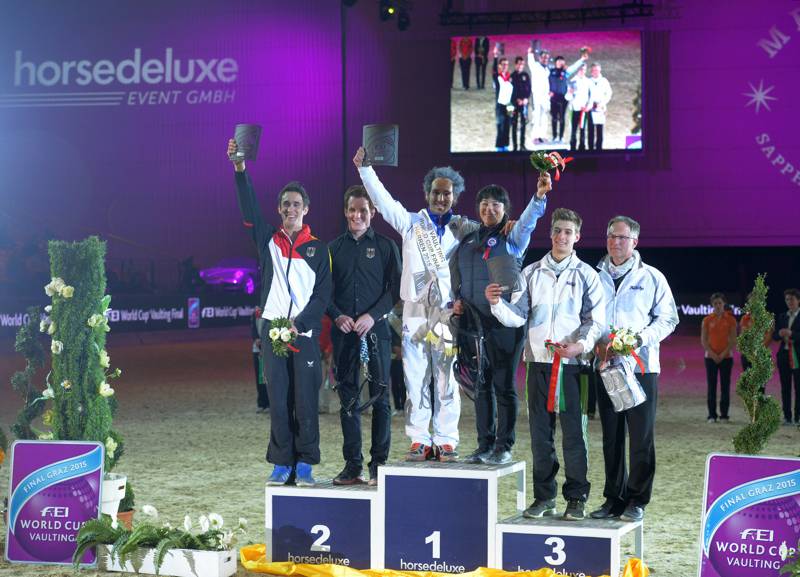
pixel 105 360
pixel 623 341
pixel 111 446
pixel 282 337
pixel 105 390
pixel 56 347
pixel 54 287
pixel 150 511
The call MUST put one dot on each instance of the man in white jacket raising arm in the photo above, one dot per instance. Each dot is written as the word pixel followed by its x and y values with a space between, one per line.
pixel 430 237
pixel 562 301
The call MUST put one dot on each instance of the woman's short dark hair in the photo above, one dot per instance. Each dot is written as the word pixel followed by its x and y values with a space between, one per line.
pixel 494 192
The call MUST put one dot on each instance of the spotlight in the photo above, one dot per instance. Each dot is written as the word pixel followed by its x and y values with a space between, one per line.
pixel 387 10
pixel 403 21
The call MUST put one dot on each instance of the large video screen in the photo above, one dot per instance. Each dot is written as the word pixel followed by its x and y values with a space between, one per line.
pixel 578 91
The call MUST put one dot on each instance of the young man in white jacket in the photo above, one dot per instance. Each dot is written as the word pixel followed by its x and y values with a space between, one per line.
pixel 430 238
pixel 637 298
pixel 562 301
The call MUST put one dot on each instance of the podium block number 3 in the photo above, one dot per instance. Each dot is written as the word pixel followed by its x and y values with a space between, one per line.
pixel 324 534
pixel 435 540
pixel 558 556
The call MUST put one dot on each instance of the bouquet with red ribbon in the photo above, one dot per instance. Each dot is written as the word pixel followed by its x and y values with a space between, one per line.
pixel 546 161
pixel 624 342
pixel 282 337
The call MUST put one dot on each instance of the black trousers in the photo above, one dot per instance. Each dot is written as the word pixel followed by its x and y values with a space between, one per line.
pixel 503 123
pixel 543 428
pixel 480 72
pixel 787 375
pixel 558 112
pixel 346 350
pixel 576 124
pixel 595 134
pixel 465 64
pixel 496 401
pixel 262 398
pixel 639 424
pixel 293 386
pixel 724 370
pixel 520 117
pixel 592 381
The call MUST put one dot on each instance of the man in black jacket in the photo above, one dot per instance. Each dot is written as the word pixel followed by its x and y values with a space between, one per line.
pixel 366 284
pixel 295 285
pixel 787 331
pixel 521 81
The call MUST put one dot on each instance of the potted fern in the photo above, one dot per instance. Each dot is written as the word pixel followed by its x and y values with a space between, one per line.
pixel 204 550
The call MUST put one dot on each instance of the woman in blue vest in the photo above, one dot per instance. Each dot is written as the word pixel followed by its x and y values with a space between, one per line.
pixel 496 397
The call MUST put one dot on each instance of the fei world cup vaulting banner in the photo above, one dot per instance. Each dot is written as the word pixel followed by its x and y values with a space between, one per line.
pixel 55 488
pixel 752 515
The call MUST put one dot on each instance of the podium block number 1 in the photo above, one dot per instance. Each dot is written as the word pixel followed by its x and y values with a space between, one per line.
pixel 434 540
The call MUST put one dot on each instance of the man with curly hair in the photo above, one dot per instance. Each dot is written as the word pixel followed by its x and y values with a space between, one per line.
pixel 430 238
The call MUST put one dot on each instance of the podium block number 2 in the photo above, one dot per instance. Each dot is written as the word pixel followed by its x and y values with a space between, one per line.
pixel 324 534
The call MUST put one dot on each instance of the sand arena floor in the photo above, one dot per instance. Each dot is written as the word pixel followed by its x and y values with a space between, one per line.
pixel 195 443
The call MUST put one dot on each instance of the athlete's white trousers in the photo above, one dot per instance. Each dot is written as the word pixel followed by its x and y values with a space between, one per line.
pixel 420 362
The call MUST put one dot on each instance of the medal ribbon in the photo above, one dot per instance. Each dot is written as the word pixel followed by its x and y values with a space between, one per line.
pixel 555 393
pixel 793 361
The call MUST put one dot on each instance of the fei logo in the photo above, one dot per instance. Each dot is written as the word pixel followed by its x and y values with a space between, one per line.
pixel 57 512
pixel 757 535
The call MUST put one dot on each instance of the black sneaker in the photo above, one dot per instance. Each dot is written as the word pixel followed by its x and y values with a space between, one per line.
pixel 498 457
pixel 349 476
pixel 608 510
pixel 632 513
pixel 477 456
pixel 575 511
pixel 541 508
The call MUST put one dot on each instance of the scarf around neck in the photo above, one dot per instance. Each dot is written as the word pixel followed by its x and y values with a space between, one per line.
pixel 618 271
pixel 557 267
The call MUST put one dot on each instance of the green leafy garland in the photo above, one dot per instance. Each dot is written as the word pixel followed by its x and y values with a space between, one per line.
pixel 78 389
pixel 29 344
pixel 763 410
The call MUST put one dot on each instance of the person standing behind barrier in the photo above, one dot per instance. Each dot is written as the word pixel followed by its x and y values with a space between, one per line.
pixel 637 298
pixel 295 284
pixel 366 283
pixel 787 331
pixel 465 59
pixel 579 99
pixel 600 93
pixel 718 337
pixel 554 342
pixel 496 398
pixel 430 238
pixel 503 89
pixel 521 83
pixel 481 55
pixel 539 108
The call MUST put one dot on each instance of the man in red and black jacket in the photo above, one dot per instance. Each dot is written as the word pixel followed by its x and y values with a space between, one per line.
pixel 295 284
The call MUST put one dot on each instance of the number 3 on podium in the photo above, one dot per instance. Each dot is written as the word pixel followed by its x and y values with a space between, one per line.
pixel 558 557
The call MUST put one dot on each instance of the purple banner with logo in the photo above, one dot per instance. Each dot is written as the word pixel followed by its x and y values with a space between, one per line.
pixel 751 515
pixel 54 489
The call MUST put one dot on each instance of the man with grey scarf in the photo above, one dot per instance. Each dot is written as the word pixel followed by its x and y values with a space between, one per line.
pixel 637 298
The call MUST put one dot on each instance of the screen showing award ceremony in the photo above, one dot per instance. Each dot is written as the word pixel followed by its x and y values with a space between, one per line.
pixel 578 91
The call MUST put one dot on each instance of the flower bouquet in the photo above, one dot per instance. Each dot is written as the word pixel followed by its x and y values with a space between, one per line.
pixel 282 337
pixel 546 161
pixel 621 384
pixel 161 548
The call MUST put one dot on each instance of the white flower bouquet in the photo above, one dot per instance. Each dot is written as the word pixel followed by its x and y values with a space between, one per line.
pixel 282 337
pixel 617 371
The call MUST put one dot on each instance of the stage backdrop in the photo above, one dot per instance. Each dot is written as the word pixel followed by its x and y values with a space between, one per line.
pixel 115 117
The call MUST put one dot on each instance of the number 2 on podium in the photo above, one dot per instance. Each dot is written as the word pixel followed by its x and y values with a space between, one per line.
pixel 324 534
pixel 434 539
